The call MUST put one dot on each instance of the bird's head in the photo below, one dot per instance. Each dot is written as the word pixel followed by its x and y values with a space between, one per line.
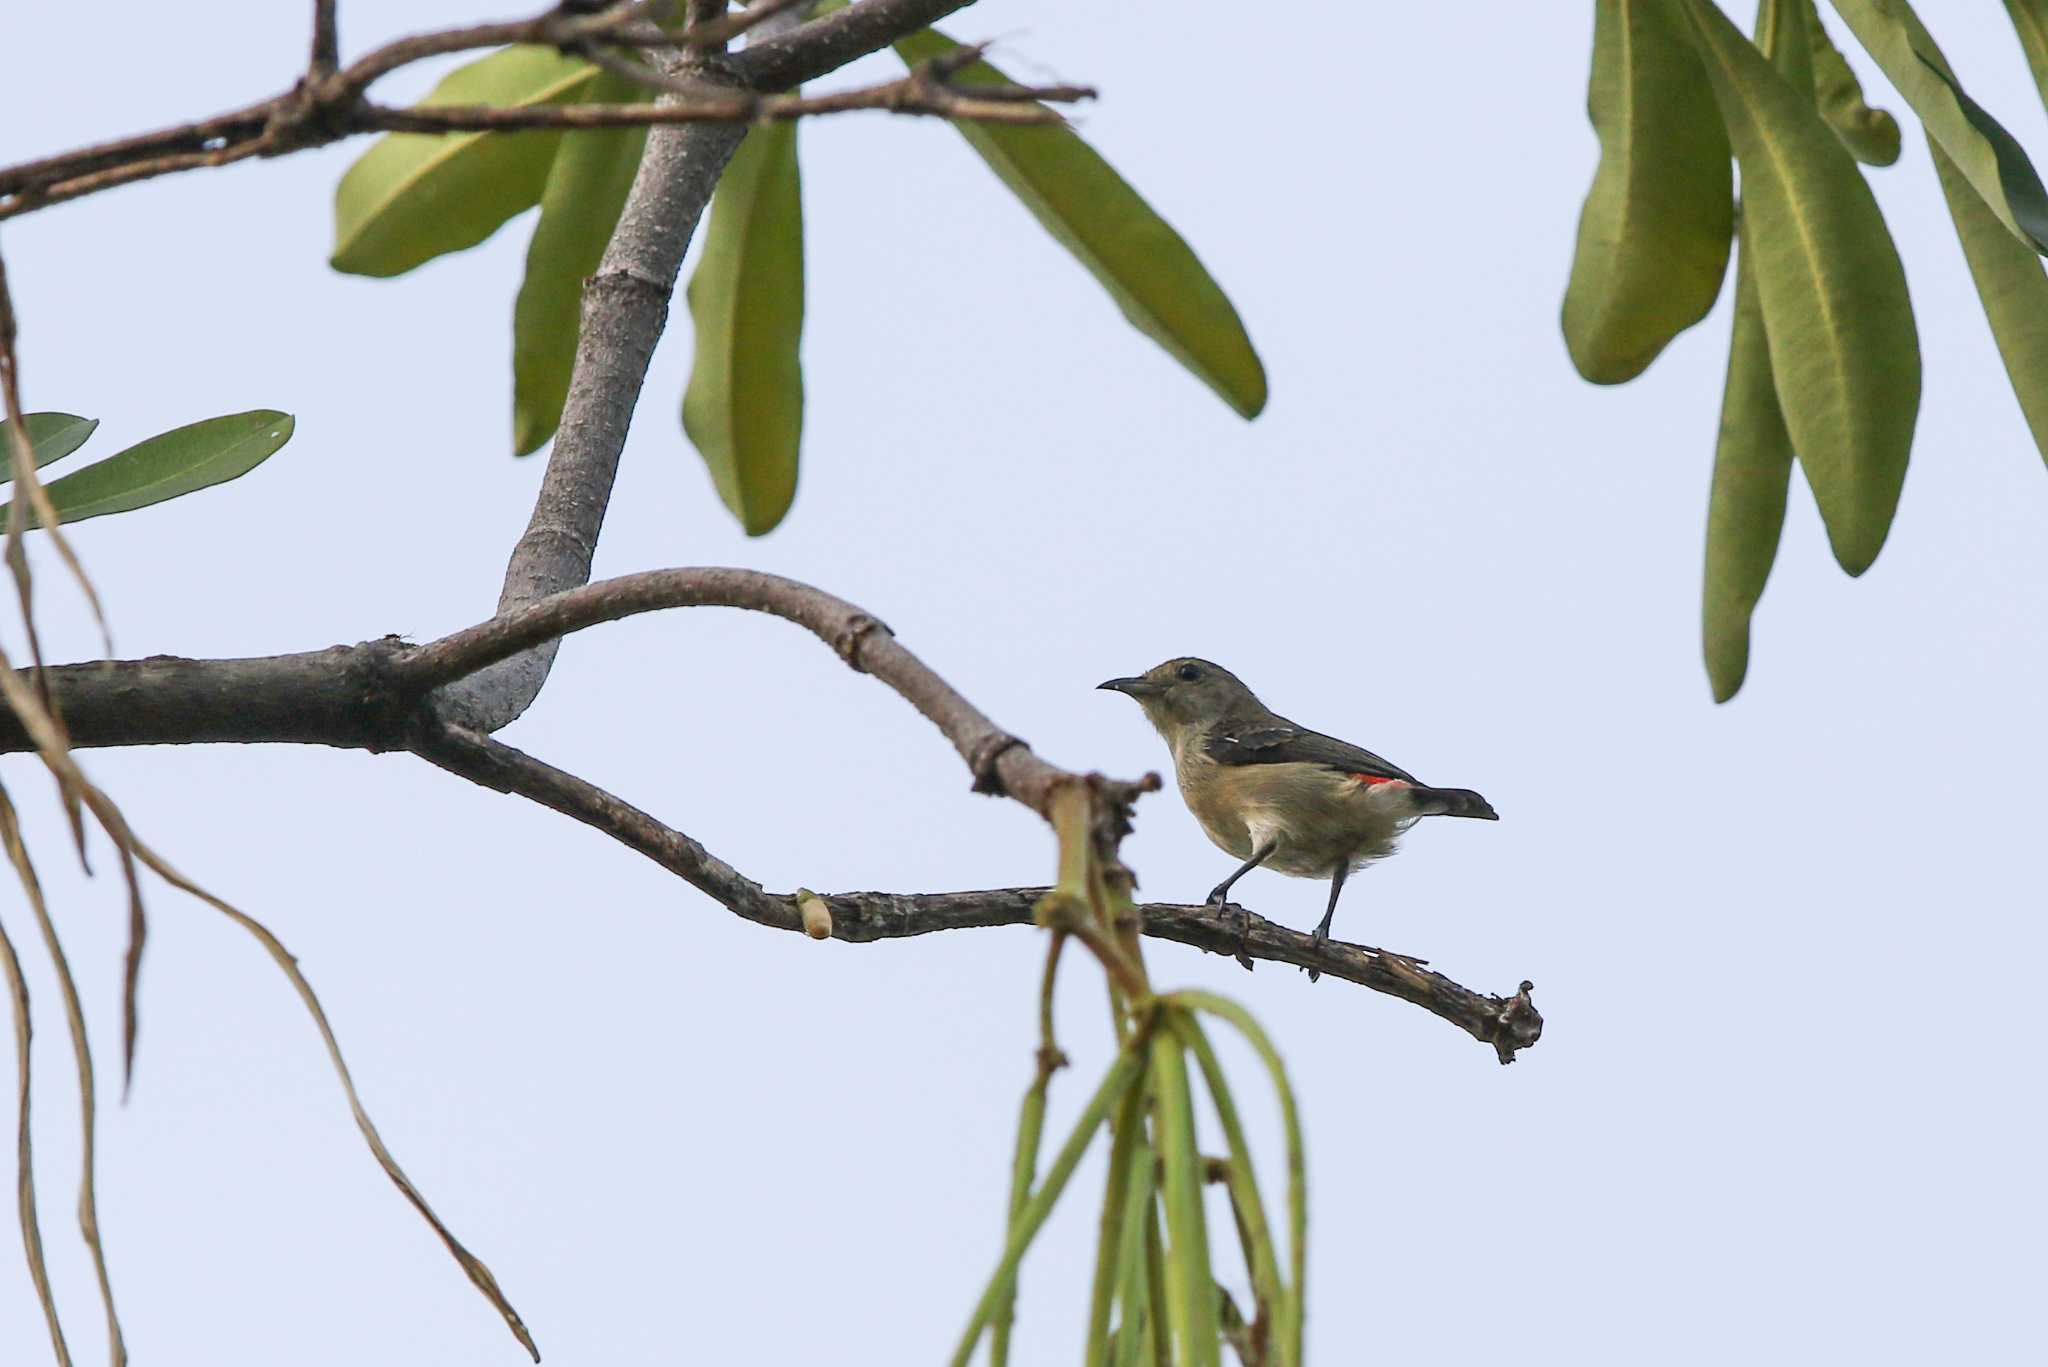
pixel 1186 692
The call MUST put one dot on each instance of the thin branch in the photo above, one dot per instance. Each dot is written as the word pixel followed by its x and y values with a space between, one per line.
pixel 999 761
pixel 329 104
pixel 1509 1023
pixel 326 40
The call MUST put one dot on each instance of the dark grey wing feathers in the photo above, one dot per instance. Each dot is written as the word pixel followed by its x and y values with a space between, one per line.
pixel 1286 743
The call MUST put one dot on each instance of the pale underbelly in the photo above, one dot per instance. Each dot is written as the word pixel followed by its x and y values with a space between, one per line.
pixel 1320 820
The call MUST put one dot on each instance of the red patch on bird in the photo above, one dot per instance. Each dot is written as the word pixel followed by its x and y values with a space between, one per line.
pixel 1371 780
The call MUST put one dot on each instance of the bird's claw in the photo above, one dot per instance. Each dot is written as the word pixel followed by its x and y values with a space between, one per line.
pixel 1315 945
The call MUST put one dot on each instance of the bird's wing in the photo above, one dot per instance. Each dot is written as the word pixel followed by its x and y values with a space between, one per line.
pixel 1286 743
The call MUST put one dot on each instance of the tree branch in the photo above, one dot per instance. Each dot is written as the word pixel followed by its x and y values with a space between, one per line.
pixel 384 695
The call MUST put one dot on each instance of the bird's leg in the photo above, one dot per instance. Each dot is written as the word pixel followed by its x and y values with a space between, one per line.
pixel 1323 927
pixel 1219 896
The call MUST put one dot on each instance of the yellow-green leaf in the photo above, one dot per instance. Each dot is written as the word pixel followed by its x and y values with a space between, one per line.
pixel 586 188
pixel 1147 267
pixel 1653 236
pixel 2013 287
pixel 1871 135
pixel 2030 17
pixel 169 465
pixel 52 436
pixel 1746 510
pixel 415 196
pixel 1832 292
pixel 744 407
pixel 1981 149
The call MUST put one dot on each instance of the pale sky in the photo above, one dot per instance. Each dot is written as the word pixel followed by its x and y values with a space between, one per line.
pixel 1786 1104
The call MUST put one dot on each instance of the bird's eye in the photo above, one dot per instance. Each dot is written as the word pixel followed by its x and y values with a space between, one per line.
pixel 1189 672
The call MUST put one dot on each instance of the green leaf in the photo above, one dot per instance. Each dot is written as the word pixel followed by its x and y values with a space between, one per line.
pixel 1261 1257
pixel 1124 1152
pixel 1832 291
pixel 415 196
pixel 1289 1325
pixel 586 188
pixel 1190 1287
pixel 744 407
pixel 1147 267
pixel 2030 17
pixel 2013 287
pixel 1871 135
pixel 1982 150
pixel 1653 236
pixel 1131 1335
pixel 1122 1074
pixel 169 465
pixel 1752 472
pixel 52 436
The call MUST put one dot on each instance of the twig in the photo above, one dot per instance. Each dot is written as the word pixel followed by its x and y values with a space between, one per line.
pixel 329 104
pixel 326 41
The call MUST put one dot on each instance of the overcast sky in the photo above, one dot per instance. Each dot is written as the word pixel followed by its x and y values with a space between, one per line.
pixel 1787 949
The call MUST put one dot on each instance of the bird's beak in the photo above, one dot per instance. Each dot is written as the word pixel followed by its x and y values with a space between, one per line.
pixel 1136 688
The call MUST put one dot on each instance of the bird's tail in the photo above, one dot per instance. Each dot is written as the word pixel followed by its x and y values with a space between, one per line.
pixel 1454 802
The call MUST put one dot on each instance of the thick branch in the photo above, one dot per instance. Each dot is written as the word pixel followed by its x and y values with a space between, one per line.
pixel 829 43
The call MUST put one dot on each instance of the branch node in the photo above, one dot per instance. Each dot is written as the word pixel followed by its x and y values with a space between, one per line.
pixel 847 639
pixel 1518 1024
pixel 982 762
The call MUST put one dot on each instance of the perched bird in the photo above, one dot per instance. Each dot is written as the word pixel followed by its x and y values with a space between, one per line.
pixel 1277 795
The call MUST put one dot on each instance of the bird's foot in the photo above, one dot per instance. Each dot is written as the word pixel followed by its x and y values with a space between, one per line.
pixel 1315 944
pixel 1244 940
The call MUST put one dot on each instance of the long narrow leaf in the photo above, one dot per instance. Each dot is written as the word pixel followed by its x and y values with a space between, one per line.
pixel 744 408
pixel 2014 290
pixel 1297 1159
pixel 1023 1168
pixel 1653 236
pixel 1147 267
pixel 1871 135
pixel 1746 510
pixel 415 196
pixel 1261 1257
pixel 24 1151
pixel 170 464
pixel 1833 294
pixel 1753 455
pixel 1981 149
pixel 586 188
pixel 1190 1286
pixel 1123 1151
pixel 478 1273
pixel 1130 1256
pixel 2030 17
pixel 51 436
pixel 81 1054
pixel 1122 1074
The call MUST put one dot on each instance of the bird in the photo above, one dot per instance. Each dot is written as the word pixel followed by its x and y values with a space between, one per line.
pixel 1277 795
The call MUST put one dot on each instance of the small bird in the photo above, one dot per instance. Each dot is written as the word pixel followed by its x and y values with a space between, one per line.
pixel 1277 795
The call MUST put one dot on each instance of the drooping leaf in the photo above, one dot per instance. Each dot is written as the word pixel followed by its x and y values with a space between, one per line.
pixel 170 464
pixel 586 188
pixel 2030 17
pixel 2013 287
pixel 1653 236
pixel 1746 509
pixel 1147 267
pixel 1871 135
pixel 52 436
pixel 1987 155
pixel 1190 1286
pixel 1753 454
pixel 1832 291
pixel 744 407
pixel 415 196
